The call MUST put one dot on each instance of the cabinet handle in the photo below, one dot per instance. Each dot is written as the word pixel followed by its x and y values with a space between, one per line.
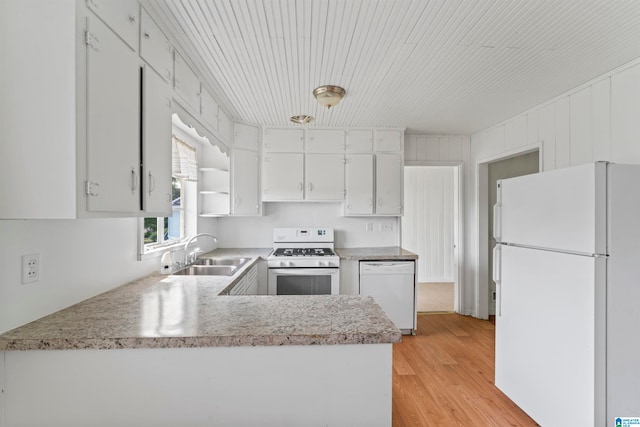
pixel 146 35
pixel 370 202
pixel 301 187
pixel 237 201
pixel 380 201
pixel 134 180
pixel 310 187
pixel 132 19
pixel 152 183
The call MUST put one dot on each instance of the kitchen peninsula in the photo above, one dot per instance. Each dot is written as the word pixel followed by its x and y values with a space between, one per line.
pixel 174 350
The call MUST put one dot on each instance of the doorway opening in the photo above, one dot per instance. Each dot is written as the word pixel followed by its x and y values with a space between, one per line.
pixel 430 228
pixel 490 171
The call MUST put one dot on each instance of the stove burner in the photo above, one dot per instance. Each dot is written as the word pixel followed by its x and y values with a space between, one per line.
pixel 303 252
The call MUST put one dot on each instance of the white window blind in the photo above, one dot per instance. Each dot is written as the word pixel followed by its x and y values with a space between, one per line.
pixel 184 162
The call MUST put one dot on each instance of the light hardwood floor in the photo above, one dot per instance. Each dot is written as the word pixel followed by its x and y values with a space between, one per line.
pixel 443 376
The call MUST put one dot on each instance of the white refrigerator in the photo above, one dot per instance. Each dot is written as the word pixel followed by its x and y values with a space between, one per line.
pixel 567 273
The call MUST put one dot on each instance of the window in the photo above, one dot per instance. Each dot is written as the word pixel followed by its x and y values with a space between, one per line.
pixel 167 230
pixel 163 232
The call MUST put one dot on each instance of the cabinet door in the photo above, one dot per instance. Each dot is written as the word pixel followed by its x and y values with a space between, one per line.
pixel 209 109
pixel 324 141
pixel 225 127
pixel 359 141
pixel 155 47
pixel 252 281
pixel 324 176
pixel 282 176
pixel 388 184
pixel 389 140
pixel 244 168
pixel 121 16
pixel 283 140
pixel 113 122
pixel 359 184
pixel 186 83
pixel 246 136
pixel 156 148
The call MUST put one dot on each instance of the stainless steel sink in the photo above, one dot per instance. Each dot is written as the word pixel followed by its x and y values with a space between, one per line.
pixel 213 267
pixel 238 262
pixel 207 270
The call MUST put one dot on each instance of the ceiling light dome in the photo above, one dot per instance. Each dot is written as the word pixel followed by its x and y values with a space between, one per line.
pixel 302 119
pixel 329 96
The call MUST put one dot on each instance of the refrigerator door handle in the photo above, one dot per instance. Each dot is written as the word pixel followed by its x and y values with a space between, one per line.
pixel 497 277
pixel 497 222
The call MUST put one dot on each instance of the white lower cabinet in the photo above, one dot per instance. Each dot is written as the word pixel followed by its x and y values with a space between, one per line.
pixel 248 283
pixel 252 280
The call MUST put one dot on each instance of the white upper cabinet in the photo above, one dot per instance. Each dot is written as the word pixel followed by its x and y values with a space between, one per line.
pixel 283 176
pixel 283 140
pixel 245 182
pixel 113 125
pixel 225 127
pixel 389 140
pixel 209 109
pixel 324 176
pixel 156 157
pixel 324 141
pixel 155 48
pixel 359 141
pixel 186 83
pixel 121 16
pixel 359 184
pixel 246 136
pixel 388 184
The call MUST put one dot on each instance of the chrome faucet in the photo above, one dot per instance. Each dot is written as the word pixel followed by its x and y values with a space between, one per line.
pixel 190 257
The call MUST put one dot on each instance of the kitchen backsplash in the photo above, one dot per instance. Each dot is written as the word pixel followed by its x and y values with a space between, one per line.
pixel 257 232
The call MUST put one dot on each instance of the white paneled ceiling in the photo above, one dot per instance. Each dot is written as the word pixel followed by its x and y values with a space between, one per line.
pixel 450 66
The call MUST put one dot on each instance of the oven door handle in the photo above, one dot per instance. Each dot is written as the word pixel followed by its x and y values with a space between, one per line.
pixel 303 271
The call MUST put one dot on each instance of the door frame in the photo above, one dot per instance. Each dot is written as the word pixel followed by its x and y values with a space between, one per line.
pixel 482 214
pixel 458 251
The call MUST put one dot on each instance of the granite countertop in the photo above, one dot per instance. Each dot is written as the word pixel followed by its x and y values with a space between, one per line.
pixel 188 311
pixel 376 253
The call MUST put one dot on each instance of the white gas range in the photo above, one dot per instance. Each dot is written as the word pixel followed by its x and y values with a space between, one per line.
pixel 303 262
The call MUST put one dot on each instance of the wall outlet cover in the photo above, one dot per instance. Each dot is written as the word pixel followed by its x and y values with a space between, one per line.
pixel 30 268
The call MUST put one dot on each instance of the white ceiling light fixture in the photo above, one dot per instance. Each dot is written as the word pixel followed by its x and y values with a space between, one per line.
pixel 301 119
pixel 329 96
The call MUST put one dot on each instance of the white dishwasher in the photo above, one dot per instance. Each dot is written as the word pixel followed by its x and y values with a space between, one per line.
pixel 392 286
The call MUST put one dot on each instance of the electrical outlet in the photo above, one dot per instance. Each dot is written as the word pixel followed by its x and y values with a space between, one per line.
pixel 30 268
pixel 369 226
pixel 386 227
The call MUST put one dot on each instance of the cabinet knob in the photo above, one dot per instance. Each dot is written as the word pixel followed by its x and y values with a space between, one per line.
pixel 132 19
pixel 146 35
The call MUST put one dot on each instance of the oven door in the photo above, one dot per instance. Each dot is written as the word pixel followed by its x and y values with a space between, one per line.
pixel 303 281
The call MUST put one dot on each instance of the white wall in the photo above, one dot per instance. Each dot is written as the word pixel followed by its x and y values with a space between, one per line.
pixel 79 259
pixel 257 232
pixel 599 120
